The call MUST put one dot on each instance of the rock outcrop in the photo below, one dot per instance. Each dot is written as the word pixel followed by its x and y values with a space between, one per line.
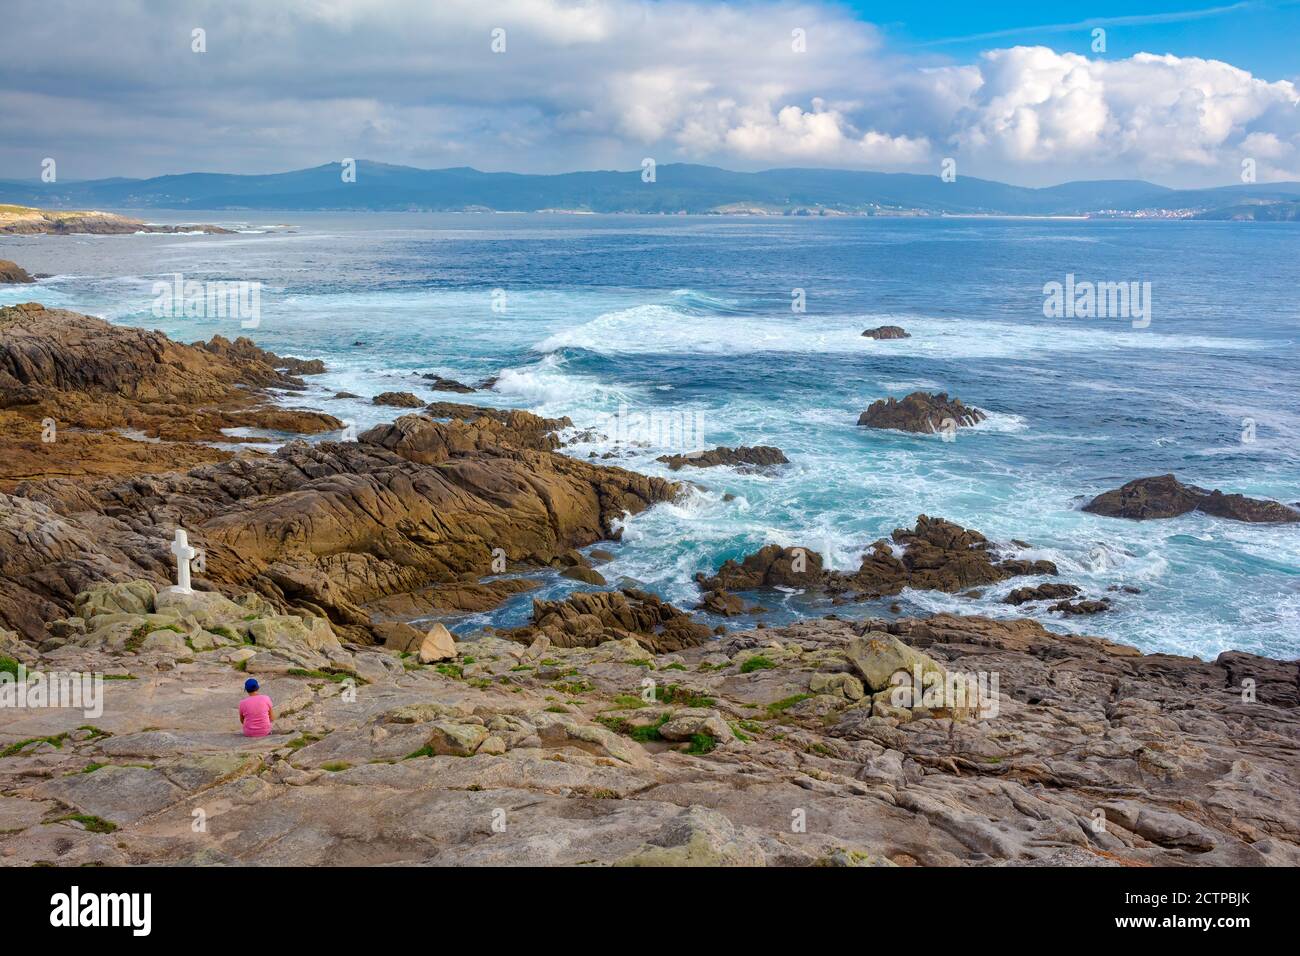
pixel 743 458
pixel 1043 592
pixel 12 272
pixel 402 522
pixel 398 400
pixel 1164 496
pixel 921 412
pixel 243 351
pixel 82 398
pixel 887 332
pixel 591 618
pixel 934 555
pixel 29 221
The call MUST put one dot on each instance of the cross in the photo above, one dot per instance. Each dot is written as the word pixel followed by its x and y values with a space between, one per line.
pixel 184 554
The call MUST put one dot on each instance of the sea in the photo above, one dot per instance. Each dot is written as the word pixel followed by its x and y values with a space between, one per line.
pixel 661 334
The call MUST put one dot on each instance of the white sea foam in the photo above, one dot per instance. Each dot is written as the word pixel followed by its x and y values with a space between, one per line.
pixel 546 383
pixel 655 328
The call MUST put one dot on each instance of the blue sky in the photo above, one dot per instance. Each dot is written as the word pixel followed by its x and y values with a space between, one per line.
pixel 1182 95
pixel 1262 37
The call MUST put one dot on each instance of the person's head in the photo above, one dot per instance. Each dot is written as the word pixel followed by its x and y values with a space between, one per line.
pixel 251 685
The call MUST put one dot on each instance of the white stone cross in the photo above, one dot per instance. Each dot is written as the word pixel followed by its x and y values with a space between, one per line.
pixel 184 554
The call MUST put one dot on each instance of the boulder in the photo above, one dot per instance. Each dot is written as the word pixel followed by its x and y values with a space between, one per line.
pixel 686 723
pixel 398 400
pixel 127 597
pixel 438 645
pixel 878 656
pixel 886 332
pixel 922 412
pixel 769 567
pixel 585 575
pixel 11 272
pixel 843 685
pixel 450 738
pixel 723 603
pixel 1041 592
pixel 1164 496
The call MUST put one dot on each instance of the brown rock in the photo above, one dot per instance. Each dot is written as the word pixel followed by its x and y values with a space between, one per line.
pixel 244 351
pixel 1164 496
pixel 28 221
pixel 936 555
pixel 744 458
pixel 886 332
pixel 769 567
pixel 81 397
pixel 1081 607
pixel 589 618
pixel 438 645
pixel 11 272
pixel 921 412
pixel 440 384
pixel 398 400
pixel 585 575
pixel 1042 592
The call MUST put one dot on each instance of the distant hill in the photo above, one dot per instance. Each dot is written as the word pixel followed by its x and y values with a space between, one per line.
pixel 678 187
pixel 1256 212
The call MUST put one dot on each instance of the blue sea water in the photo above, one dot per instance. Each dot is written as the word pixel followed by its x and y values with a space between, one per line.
pixel 691 318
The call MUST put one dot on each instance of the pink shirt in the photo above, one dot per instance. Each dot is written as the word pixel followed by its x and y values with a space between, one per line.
pixel 256 713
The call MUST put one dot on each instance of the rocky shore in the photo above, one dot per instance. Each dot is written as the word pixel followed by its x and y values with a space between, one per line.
pixel 612 729
pixel 29 221
pixel 780 746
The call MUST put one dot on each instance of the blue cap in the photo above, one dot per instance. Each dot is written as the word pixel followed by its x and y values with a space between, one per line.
pixel 251 684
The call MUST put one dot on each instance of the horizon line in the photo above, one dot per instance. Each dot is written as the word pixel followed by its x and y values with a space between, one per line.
pixel 37 182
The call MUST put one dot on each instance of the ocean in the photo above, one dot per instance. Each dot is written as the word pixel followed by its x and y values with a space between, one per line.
pixel 691 325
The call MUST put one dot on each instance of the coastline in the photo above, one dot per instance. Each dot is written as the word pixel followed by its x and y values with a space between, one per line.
pixel 1089 753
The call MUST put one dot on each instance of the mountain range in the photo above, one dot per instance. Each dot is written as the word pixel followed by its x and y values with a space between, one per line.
pixel 676 188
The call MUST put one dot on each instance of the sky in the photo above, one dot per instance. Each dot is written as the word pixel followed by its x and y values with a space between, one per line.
pixel 1173 92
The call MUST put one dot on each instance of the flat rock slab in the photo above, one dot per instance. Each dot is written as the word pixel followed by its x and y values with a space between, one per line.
pixel 114 793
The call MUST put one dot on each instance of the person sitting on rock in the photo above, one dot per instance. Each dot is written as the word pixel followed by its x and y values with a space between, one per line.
pixel 255 711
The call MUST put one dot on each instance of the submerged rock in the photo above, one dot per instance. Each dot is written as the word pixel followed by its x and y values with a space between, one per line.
pixel 440 384
pixel 1164 496
pixel 744 458
pixel 1041 592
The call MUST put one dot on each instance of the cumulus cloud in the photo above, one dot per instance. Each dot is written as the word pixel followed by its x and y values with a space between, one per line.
pixel 596 84
pixel 1149 113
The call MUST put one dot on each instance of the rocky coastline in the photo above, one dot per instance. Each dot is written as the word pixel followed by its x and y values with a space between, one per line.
pixel 612 729
pixel 29 221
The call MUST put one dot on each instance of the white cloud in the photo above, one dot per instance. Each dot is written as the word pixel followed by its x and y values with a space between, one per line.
pixel 1151 113
pixel 600 83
